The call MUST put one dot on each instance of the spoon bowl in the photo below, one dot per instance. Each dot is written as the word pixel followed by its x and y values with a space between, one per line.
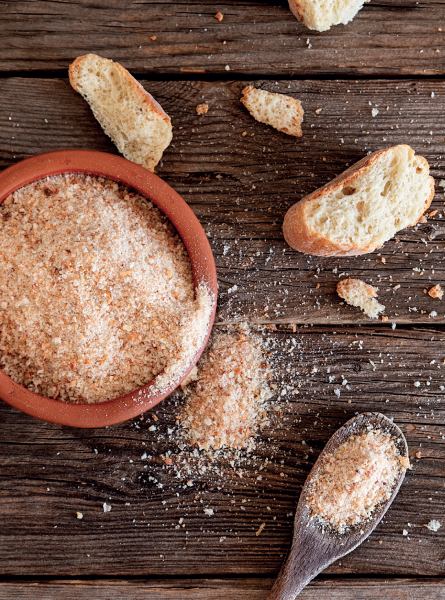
pixel 314 547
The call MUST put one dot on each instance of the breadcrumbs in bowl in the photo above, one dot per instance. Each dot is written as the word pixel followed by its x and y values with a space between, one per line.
pixel 104 308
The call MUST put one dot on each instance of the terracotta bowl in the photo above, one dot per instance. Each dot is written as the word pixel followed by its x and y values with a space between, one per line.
pixel 188 227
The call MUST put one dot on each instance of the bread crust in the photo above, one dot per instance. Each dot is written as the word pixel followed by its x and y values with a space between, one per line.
pixel 301 237
pixel 139 91
pixel 297 9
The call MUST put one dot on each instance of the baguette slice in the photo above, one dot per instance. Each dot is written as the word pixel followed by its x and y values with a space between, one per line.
pixel 322 14
pixel 128 114
pixel 360 294
pixel 277 110
pixel 361 209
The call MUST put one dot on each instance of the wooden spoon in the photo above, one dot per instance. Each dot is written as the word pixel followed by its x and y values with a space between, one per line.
pixel 313 548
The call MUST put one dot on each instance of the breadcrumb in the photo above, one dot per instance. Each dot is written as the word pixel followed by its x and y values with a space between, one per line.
pixel 202 109
pixel 226 405
pixel 355 479
pixel 436 291
pixel 96 291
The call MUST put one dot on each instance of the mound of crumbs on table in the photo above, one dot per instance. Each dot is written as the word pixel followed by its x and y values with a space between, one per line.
pixel 226 404
pixel 96 291
pixel 355 479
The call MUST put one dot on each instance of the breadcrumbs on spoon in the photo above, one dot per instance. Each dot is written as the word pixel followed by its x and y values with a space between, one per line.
pixel 355 479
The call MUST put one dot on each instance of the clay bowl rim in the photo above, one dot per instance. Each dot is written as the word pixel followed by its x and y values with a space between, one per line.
pixel 190 230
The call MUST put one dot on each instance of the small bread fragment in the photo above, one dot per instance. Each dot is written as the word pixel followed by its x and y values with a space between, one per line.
pixel 277 110
pixel 360 294
pixel 128 114
pixel 361 209
pixel 436 291
pixel 321 15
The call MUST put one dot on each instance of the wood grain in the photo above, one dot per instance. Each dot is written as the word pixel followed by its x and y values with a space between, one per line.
pixel 240 177
pixel 222 589
pixel 256 37
pixel 157 523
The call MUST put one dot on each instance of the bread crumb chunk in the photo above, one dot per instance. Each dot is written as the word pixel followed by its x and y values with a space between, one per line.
pixel 280 111
pixel 127 113
pixel 360 294
pixel 202 109
pixel 323 14
pixel 219 16
pixel 436 291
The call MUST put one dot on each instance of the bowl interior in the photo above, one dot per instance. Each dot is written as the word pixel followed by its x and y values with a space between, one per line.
pixel 188 228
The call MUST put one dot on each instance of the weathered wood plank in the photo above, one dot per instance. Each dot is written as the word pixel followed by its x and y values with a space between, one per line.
pixel 157 524
pixel 241 185
pixel 222 589
pixel 255 37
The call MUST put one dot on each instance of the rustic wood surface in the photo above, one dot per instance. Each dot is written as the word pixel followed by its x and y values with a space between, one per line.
pixel 49 473
pixel 230 179
pixel 240 177
pixel 221 589
pixel 255 37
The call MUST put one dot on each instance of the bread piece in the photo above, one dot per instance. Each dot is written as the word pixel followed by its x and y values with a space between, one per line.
pixel 360 294
pixel 322 14
pixel 361 209
pixel 128 114
pixel 277 110
pixel 436 292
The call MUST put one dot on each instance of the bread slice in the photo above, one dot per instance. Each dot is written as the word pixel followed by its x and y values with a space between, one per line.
pixel 128 114
pixel 361 209
pixel 322 14
pixel 360 294
pixel 277 110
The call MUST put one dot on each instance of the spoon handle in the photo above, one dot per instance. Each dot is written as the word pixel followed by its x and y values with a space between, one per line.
pixel 302 565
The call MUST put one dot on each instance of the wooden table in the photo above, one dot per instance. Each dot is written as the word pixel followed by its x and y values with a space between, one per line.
pixel 240 177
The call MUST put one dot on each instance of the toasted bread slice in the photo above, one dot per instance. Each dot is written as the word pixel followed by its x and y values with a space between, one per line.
pixel 321 15
pixel 128 114
pixel 361 209
pixel 277 110
pixel 360 294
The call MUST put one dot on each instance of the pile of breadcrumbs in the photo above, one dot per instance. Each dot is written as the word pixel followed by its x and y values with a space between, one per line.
pixel 226 405
pixel 355 479
pixel 96 291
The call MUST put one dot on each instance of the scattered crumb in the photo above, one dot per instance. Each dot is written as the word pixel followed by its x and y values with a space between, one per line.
pixel 260 529
pixel 434 525
pixel 79 515
pixel 436 291
pixel 202 109
pixel 106 507
pixel 219 16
